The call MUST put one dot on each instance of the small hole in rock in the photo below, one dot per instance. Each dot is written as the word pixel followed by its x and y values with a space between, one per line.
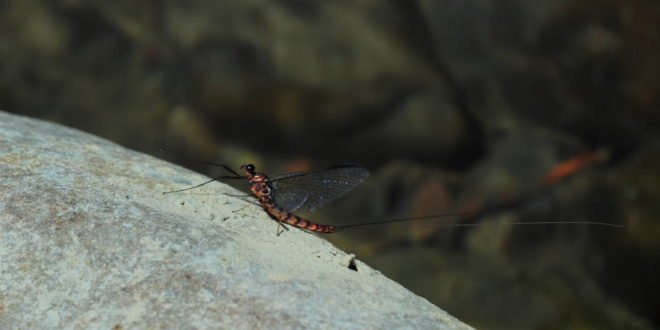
pixel 352 265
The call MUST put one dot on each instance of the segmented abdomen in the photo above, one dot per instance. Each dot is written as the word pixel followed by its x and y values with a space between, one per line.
pixel 287 217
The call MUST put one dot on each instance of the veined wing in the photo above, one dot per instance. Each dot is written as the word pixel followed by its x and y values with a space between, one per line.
pixel 307 191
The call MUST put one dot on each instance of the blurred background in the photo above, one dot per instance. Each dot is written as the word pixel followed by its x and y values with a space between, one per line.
pixel 512 110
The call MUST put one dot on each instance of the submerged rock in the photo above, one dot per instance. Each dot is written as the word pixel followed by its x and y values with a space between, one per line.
pixel 87 239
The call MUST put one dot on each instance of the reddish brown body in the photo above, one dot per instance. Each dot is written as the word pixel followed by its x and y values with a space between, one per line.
pixel 260 187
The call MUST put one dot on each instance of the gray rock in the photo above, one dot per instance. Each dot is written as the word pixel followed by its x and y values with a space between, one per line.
pixel 87 240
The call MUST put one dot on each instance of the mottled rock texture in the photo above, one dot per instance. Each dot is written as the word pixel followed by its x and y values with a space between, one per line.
pixel 88 240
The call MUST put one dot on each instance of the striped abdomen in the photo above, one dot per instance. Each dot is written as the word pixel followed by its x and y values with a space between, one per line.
pixel 284 216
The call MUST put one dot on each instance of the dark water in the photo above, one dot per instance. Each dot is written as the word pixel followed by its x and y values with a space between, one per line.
pixel 533 111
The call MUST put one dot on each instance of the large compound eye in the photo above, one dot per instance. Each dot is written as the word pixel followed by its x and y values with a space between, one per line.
pixel 249 167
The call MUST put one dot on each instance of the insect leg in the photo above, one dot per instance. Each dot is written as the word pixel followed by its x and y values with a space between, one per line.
pixel 281 227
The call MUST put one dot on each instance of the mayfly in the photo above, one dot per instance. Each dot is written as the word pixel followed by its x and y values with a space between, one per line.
pixel 283 195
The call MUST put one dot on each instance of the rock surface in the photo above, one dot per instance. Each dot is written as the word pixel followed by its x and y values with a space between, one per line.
pixel 87 240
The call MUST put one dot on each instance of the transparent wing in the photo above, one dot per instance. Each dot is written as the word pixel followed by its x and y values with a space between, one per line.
pixel 307 191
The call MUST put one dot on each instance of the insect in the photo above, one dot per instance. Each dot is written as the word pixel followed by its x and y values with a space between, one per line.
pixel 302 191
pixel 282 195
